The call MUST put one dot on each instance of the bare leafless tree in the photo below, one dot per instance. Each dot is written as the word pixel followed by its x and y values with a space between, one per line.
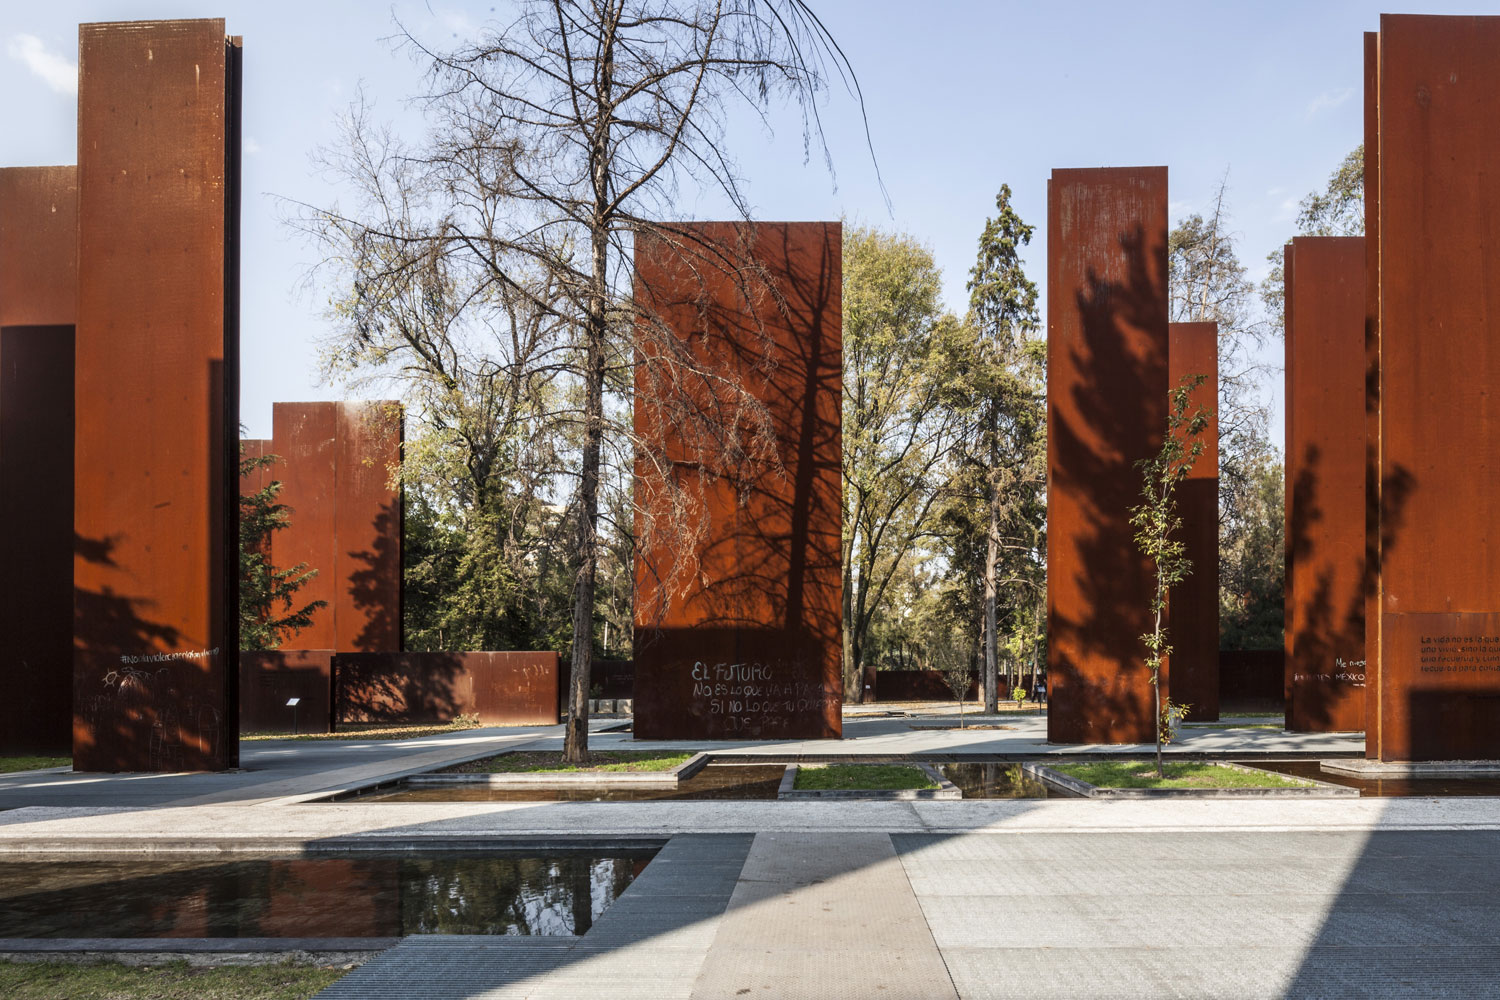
pixel 559 140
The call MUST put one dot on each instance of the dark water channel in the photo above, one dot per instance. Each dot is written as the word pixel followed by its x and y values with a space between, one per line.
pixel 1385 787
pixel 716 781
pixel 996 780
pixel 365 895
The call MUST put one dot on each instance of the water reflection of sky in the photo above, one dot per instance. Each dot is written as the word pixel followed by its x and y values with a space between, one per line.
pixel 384 895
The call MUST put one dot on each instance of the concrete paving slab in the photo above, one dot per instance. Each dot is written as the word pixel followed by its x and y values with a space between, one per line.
pixel 819 916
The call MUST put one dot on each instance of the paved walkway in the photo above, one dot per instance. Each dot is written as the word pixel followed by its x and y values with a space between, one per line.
pixel 970 899
pixel 976 916
pixel 278 772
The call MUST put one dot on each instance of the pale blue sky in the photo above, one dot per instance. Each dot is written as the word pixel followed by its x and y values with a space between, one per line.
pixel 961 97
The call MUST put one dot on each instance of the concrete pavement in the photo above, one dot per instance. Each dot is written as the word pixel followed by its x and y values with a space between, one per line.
pixel 979 916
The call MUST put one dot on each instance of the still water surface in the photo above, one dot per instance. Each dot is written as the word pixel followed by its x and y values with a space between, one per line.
pixel 366 895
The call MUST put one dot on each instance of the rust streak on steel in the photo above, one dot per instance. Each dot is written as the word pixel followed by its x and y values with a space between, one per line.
pixel 750 646
pixel 156 378
pixel 1372 392
pixel 1194 669
pixel 1106 410
pixel 1325 483
pixel 1439 323
pixel 38 305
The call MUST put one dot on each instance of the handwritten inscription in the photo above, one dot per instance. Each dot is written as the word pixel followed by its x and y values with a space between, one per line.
pixel 756 697
pixel 1459 654
pixel 191 654
pixel 1344 671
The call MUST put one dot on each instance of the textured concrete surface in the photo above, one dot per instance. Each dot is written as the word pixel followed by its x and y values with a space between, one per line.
pixel 823 915
pixel 1124 915
pixel 1309 914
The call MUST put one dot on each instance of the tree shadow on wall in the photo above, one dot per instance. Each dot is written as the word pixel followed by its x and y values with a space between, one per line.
pixel 122 706
pixel 1112 700
pixel 375 587
pixel 766 587
pixel 401 687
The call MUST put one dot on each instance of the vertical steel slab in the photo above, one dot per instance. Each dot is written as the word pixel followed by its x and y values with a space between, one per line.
pixel 1372 392
pixel 337 460
pixel 752 650
pixel 1106 410
pixel 304 436
pixel 38 305
pixel 367 524
pixel 38 246
pixel 1325 484
pixel 156 390
pixel 1438 213
pixel 1193 349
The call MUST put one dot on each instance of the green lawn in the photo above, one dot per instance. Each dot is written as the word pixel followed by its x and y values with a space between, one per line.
pixel 1142 774
pixel 848 777
pixel 24 763
pixel 175 981
pixel 551 762
pixel 372 731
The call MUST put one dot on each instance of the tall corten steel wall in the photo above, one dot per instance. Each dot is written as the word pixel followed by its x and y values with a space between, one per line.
pixel 345 519
pixel 1106 410
pixel 38 304
pixel 1436 209
pixel 156 380
pixel 753 649
pixel 1325 483
pixel 1193 349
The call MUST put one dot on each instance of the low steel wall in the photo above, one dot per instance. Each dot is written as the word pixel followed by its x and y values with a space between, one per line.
pixel 1251 678
pixel 509 688
pixel 269 678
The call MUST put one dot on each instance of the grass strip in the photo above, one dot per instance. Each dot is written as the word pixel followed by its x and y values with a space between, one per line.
pixel 1142 774
pixel 371 731
pixel 1231 725
pixel 551 762
pixel 22 762
pixel 850 777
pixel 173 981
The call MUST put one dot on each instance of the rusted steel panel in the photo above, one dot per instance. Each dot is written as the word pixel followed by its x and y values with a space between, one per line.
pixel 750 647
pixel 1193 349
pixel 1372 393
pixel 38 304
pixel 156 383
pixel 502 688
pixel 920 685
pixel 260 477
pixel 1325 484
pixel 269 677
pixel 1106 410
pixel 304 435
pixel 1252 680
pixel 345 519
pixel 36 538
pixel 367 525
pixel 38 246
pixel 1438 100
